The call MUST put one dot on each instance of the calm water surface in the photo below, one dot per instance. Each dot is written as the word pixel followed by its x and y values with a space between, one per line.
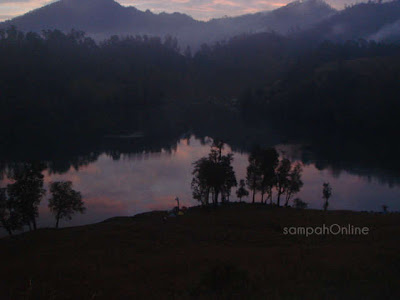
pixel 142 182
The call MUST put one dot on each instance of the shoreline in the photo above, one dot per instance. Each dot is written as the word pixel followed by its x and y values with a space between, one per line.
pixel 199 207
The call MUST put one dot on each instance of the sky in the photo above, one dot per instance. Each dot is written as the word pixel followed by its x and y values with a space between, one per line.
pixel 199 9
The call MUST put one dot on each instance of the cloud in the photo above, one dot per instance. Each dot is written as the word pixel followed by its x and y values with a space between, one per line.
pixel 207 9
pixel 204 9
pixel 12 1
pixel 6 17
pixel 12 8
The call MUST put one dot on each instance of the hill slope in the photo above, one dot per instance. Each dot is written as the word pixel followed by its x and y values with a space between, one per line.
pixel 233 252
pixel 364 20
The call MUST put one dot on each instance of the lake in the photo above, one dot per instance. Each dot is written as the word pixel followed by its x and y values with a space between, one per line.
pixel 131 183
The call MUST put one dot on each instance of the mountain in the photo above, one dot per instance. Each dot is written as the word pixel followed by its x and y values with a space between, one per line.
pixel 308 20
pixel 101 18
pixel 292 17
pixel 295 15
pixel 372 20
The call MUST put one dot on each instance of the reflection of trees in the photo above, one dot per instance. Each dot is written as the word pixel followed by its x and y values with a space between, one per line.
pixel 64 165
pixel 138 148
pixel 372 163
pixel 63 159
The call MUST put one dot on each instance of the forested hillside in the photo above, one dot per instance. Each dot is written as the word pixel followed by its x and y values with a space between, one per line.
pixel 71 85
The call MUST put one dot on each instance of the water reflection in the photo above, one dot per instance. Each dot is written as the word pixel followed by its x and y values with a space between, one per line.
pixel 125 183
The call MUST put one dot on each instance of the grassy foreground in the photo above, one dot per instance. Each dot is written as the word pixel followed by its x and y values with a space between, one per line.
pixel 234 252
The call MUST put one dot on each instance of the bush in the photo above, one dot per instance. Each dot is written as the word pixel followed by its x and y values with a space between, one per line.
pixel 299 204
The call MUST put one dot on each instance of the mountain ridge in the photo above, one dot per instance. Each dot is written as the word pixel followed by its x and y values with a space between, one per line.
pixel 102 18
pixel 308 19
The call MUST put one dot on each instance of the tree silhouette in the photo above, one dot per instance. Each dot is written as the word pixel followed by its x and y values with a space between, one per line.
pixel 27 191
pixel 294 183
pixel 213 174
pixel 241 191
pixel 282 177
pixel 200 187
pixel 326 194
pixel 254 173
pixel 268 162
pixel 65 201
pixel 10 217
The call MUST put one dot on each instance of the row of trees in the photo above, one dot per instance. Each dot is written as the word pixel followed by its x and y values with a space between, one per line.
pixel 64 84
pixel 20 200
pixel 267 173
pixel 214 176
pixel 342 87
pixel 287 181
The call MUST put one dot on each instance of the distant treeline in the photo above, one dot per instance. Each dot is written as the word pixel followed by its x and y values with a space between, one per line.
pixel 349 90
pixel 59 84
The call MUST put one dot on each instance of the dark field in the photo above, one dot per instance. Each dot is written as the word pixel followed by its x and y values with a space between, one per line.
pixel 234 252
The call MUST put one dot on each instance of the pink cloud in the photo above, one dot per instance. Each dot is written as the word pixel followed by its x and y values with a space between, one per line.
pixel 226 3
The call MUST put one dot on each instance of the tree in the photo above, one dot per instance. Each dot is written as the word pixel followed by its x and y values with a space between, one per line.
pixel 171 43
pixel 200 188
pixel 254 174
pixel 268 161
pixel 326 194
pixel 65 201
pixel 241 191
pixel 282 177
pixel 253 179
pixel 10 217
pixel 213 174
pixel 294 182
pixel 188 52
pixel 27 191
pixel 228 184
